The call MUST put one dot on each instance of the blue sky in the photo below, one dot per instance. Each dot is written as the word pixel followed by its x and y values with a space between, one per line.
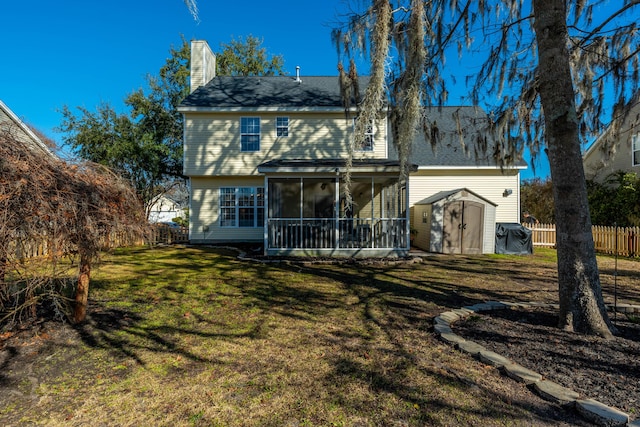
pixel 83 53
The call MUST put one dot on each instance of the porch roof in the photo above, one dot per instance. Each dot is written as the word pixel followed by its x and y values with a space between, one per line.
pixel 331 166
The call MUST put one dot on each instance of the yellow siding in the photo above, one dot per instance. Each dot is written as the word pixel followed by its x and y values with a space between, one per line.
pixel 486 183
pixel 204 210
pixel 212 141
pixel 203 64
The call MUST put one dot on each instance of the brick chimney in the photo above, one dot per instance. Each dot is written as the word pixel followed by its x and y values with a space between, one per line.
pixel 203 64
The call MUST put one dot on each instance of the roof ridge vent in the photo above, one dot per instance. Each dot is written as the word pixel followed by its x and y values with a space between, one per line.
pixel 298 80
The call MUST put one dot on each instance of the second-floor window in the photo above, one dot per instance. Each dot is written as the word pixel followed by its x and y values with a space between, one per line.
pixel 367 143
pixel 250 134
pixel 282 126
pixel 635 150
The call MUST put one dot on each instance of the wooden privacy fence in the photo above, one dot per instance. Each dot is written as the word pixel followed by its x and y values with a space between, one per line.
pixel 157 234
pixel 161 234
pixel 543 234
pixel 624 241
pixel 620 240
pixel 23 249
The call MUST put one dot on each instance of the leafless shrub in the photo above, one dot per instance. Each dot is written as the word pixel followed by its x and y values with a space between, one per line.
pixel 51 210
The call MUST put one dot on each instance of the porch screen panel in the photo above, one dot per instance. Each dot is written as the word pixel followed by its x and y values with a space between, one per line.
pixel 318 198
pixel 284 198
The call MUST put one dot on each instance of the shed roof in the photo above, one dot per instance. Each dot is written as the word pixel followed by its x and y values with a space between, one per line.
pixel 448 193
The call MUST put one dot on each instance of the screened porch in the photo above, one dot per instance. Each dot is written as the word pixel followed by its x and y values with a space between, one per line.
pixel 309 215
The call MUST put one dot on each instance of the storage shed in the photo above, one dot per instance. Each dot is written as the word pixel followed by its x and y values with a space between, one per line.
pixel 455 221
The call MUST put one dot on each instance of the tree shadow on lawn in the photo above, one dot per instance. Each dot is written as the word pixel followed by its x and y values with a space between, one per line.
pixel 429 405
pixel 406 295
pixel 397 307
pixel 121 332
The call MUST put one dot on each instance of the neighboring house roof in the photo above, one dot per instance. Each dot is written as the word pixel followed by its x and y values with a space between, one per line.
pixel 268 92
pixel 452 124
pixel 9 122
pixel 444 194
pixel 613 149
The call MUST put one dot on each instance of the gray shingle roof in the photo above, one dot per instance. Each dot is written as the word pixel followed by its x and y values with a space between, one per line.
pixel 448 150
pixel 331 165
pixel 269 91
pixel 446 193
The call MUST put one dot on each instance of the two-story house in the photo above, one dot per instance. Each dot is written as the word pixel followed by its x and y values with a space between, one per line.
pixel 265 157
pixel 615 150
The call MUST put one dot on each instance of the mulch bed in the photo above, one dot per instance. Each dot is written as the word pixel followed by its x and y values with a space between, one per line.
pixel 605 370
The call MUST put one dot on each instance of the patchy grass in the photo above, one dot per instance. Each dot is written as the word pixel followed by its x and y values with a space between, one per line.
pixel 196 337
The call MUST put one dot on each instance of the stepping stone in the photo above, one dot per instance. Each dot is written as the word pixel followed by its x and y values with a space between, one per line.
pixel 494 359
pixel 438 320
pixel 442 328
pixel 522 374
pixel 555 392
pixel 496 305
pixel 463 312
pixel 471 347
pixel 449 316
pixel 600 413
pixel 452 338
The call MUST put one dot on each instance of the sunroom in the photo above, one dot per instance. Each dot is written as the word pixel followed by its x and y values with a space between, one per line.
pixel 308 214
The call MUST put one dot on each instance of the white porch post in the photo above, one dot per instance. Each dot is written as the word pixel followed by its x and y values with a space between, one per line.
pixel 408 225
pixel 336 210
pixel 265 225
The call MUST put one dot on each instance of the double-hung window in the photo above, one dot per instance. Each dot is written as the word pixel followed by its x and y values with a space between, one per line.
pixel 282 126
pixel 635 150
pixel 367 142
pixel 250 134
pixel 241 206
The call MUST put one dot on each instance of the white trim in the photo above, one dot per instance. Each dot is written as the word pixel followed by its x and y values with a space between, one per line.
pixel 445 167
pixel 329 169
pixel 263 109
pixel 635 146
pixel 288 129
pixel 368 134
pixel 251 134
pixel 256 207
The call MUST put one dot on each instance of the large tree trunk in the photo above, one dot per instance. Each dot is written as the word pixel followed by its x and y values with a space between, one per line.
pixel 82 291
pixel 582 307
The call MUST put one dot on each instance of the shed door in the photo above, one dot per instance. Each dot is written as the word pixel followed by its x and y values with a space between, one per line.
pixel 463 224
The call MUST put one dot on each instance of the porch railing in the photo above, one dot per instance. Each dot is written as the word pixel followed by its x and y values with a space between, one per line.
pixel 331 233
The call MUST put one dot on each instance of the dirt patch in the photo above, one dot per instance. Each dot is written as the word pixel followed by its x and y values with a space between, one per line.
pixel 604 370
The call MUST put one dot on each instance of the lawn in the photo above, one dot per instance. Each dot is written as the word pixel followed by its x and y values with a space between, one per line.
pixel 196 337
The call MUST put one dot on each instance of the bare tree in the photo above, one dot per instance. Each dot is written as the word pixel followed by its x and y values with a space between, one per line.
pixel 548 68
pixel 67 208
